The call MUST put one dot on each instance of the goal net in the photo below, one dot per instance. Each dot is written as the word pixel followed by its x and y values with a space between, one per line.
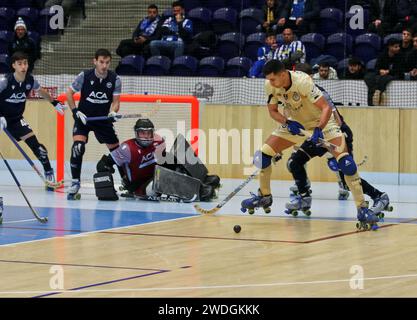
pixel 171 115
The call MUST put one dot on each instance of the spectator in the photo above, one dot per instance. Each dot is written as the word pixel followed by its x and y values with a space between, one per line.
pixel 301 15
pixel 274 15
pixel 411 69
pixel 67 5
pixel 265 53
pixel 389 66
pixel 383 15
pixel 406 14
pixel 355 70
pixel 21 42
pixel 407 41
pixel 176 32
pixel 326 72
pixel 290 48
pixel 146 31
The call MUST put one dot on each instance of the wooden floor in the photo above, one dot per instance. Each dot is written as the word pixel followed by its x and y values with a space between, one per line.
pixel 201 256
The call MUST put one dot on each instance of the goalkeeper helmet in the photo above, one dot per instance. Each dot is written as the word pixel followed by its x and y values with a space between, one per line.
pixel 144 129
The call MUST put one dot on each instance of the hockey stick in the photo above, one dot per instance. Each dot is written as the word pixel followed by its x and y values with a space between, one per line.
pixel 230 196
pixel 49 184
pixel 158 198
pixel 119 116
pixel 40 219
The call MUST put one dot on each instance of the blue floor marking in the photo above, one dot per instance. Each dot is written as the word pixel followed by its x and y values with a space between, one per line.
pixel 70 221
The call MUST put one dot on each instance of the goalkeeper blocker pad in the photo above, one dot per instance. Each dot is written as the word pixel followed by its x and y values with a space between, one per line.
pixel 176 184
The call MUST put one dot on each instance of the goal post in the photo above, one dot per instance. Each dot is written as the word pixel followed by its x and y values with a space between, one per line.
pixel 171 114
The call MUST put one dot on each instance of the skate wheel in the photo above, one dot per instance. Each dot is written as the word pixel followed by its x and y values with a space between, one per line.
pixel 365 227
pixel 381 215
pixel 358 226
pixel 390 208
pixel 1 220
pixel 76 196
pixel 267 210
pixel 251 211
pixel 307 213
pixel 294 213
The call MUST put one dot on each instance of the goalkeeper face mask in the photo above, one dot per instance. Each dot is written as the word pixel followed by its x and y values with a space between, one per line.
pixel 144 137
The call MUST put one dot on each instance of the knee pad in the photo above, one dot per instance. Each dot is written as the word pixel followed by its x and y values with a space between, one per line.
pixel 333 165
pixel 297 161
pixel 261 160
pixel 77 151
pixel 38 149
pixel 105 164
pixel 347 165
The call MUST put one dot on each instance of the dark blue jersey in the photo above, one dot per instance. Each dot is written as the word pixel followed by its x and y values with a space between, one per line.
pixel 96 93
pixel 13 96
pixel 330 101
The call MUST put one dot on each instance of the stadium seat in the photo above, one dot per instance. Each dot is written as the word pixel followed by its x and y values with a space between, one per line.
pixel 398 36
pixel 4 63
pixel 342 66
pixel 211 67
pixel 166 13
pixel 5 38
pixel 367 46
pixel 330 21
pixel 35 36
pixel 314 44
pixel 224 20
pixel 370 66
pixel 253 43
pixel 201 18
pixel 213 5
pixel 240 5
pixel 131 65
pixel 339 45
pixel 7 18
pixel 17 4
pixel 249 20
pixel 230 45
pixel 191 4
pixel 359 31
pixel 238 67
pixel 43 26
pixel 184 66
pixel 29 16
pixel 157 66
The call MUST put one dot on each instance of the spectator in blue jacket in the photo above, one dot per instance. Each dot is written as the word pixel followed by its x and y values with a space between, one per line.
pixel 176 32
pixel 265 53
pixel 302 16
pixel 146 31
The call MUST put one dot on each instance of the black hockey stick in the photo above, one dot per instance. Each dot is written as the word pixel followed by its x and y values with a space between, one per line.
pixel 120 116
pixel 40 219
pixel 158 198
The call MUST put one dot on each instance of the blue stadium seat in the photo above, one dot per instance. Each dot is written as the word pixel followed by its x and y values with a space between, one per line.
pixel 240 5
pixel 191 4
pixel 43 26
pixel 17 4
pixel 253 42
pixel 184 66
pixel 331 20
pixel 367 46
pixel 211 67
pixel 213 5
pixel 5 38
pixel 342 66
pixel 356 32
pixel 370 66
pixel 249 20
pixel 157 66
pixel 4 63
pixel 339 45
pixel 314 44
pixel 29 16
pixel 238 67
pixel 7 18
pixel 398 36
pixel 224 20
pixel 35 36
pixel 201 18
pixel 131 65
pixel 230 45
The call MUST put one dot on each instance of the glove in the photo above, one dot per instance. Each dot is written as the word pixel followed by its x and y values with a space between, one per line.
pixel 79 115
pixel 3 123
pixel 114 116
pixel 294 127
pixel 317 135
pixel 59 107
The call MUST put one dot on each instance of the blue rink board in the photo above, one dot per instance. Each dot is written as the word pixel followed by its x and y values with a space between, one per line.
pixel 68 221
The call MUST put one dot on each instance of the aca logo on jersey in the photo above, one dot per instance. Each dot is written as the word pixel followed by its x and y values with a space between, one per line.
pixel 97 97
pixel 147 160
pixel 17 97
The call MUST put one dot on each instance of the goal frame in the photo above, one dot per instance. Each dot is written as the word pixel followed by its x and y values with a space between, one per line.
pixel 138 98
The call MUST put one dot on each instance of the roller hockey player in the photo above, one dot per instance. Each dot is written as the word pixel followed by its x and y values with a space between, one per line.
pixel 100 96
pixel 305 108
pixel 298 160
pixel 14 88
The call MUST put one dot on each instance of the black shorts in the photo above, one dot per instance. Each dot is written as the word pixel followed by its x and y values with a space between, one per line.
pixel 348 136
pixel 18 128
pixel 312 150
pixel 103 130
